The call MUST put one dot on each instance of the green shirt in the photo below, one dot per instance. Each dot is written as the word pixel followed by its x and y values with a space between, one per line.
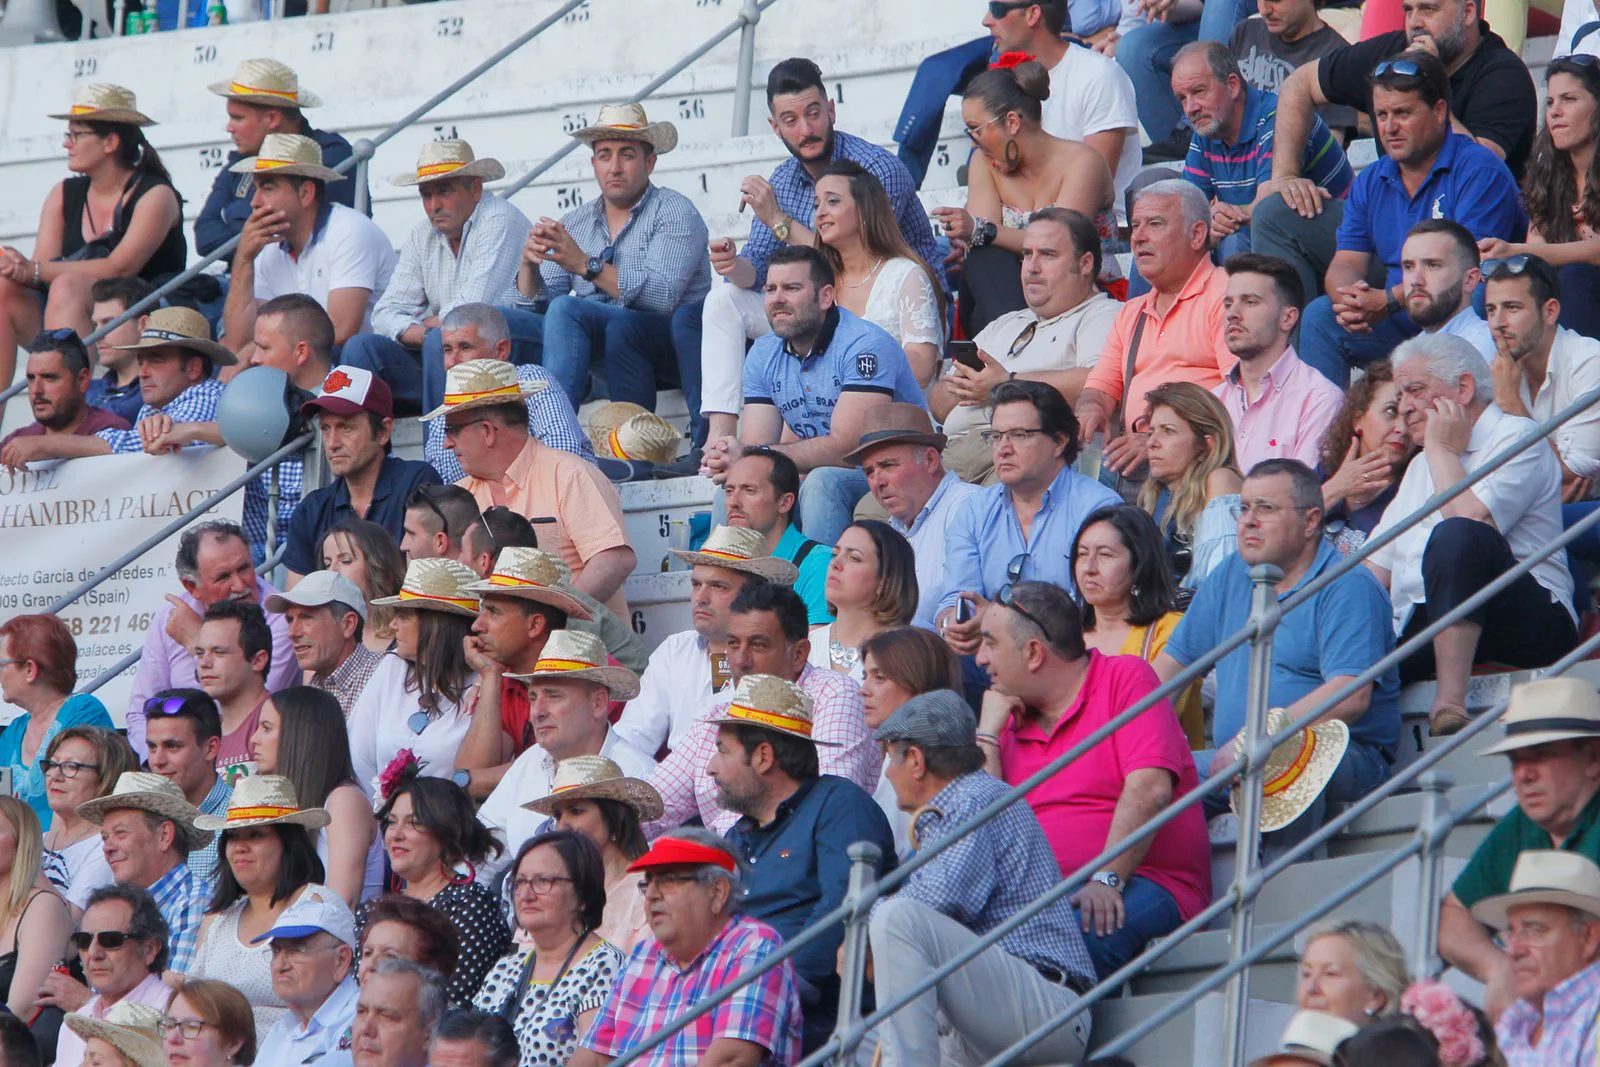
pixel 1488 872
pixel 813 572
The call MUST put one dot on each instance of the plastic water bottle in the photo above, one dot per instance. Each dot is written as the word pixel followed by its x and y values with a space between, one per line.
pixel 216 13
pixel 1089 458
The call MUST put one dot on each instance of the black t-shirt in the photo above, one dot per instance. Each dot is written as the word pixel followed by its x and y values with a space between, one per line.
pixel 1492 92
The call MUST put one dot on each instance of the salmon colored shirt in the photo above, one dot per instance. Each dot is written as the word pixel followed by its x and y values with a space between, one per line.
pixel 1184 345
pixel 548 483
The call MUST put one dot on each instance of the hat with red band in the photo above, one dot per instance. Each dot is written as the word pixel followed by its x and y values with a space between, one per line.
pixel 771 703
pixel 676 852
pixel 348 390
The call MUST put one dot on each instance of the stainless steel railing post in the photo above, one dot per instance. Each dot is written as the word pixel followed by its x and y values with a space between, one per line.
pixel 1436 826
pixel 363 151
pixel 751 14
pixel 864 857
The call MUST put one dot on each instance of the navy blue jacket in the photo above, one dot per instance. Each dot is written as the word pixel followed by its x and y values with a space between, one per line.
pixel 228 206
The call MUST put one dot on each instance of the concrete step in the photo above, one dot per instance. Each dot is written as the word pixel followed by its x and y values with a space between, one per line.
pixel 1273 977
pixel 1194 1036
pixel 658 605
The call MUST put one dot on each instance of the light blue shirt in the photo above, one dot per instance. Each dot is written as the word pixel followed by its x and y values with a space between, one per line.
pixel 1467 325
pixel 927 536
pixel 1091 16
pixel 324 1042
pixel 984 536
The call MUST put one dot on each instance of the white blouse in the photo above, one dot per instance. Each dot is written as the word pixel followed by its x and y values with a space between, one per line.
pixel 819 657
pixel 380 726
pixel 902 301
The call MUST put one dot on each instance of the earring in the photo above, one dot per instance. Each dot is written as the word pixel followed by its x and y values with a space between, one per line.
pixel 1134 592
pixel 1372 1013
pixel 1013 155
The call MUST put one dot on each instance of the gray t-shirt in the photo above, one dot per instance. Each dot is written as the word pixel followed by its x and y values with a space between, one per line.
pixel 1267 61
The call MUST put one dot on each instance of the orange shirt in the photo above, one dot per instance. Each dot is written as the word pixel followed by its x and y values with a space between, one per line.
pixel 546 483
pixel 1184 345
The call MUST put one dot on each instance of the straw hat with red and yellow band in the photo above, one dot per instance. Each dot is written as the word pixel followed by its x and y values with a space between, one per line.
pixel 532 574
pixel 768 701
pixel 573 655
pixel 268 83
pixel 481 383
pixel 450 158
pixel 435 585
pixel 1297 771
pixel 287 155
pixel 597 778
pixel 261 800
pixel 101 102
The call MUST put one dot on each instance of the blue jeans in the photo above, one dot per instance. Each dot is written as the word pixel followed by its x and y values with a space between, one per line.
pixel 686 331
pixel 399 367
pixel 1333 350
pixel 1583 553
pixel 1579 312
pixel 828 499
pixel 634 348
pixel 1146 54
pixel 1149 912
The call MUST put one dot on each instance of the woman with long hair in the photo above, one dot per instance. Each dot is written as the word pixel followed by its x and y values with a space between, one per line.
pixel 301 735
pixel 208 1024
pixel 877 275
pixel 1129 598
pixel 871 587
pixel 81 763
pixel 118 215
pixel 1194 478
pixel 413 701
pixel 365 553
pixel 34 923
pixel 1018 169
pixel 1364 453
pixel 897 665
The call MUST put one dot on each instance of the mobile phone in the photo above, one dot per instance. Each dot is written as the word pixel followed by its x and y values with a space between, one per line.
pixel 964 609
pixel 966 354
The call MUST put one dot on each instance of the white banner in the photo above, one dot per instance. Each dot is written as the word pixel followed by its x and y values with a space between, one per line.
pixel 60 525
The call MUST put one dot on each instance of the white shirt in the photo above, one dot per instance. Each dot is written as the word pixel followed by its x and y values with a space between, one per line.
pixel 820 655
pixel 1091 93
pixel 348 252
pixel 926 534
pixel 674 691
pixel 322 1043
pixel 1524 498
pixel 1573 369
pixel 152 991
pixel 380 726
pixel 1575 14
pixel 1467 325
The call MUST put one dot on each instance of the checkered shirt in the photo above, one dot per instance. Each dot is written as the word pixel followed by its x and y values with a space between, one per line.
pixel 198 403
pixel 182 900
pixel 203 861
pixel 291 485
pixel 550 419
pixel 348 679
pixel 1567 1025
pixel 660 253
pixel 652 991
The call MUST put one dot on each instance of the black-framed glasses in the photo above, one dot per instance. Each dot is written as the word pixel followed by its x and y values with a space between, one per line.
pixel 999 9
pixel 538 885
pixel 1014 568
pixel 1023 340
pixel 110 940
pixel 664 880
pixel 422 497
pixel 189 1028
pixel 69 768
pixel 1008 599
pixel 452 430
pixel 1406 68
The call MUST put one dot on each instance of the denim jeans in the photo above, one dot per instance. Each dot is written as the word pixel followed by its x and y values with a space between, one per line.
pixel 828 499
pixel 686 333
pixel 417 378
pixel 1146 54
pixel 1149 912
pixel 1333 350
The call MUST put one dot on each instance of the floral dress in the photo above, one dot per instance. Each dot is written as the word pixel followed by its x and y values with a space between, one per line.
pixel 546 1018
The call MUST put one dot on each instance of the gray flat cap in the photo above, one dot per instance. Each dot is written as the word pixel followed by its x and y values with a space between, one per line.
pixel 940 718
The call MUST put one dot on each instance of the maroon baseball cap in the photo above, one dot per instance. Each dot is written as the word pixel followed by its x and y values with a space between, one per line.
pixel 347 390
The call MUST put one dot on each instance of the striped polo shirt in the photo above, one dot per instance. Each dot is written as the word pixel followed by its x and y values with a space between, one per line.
pixel 1231 173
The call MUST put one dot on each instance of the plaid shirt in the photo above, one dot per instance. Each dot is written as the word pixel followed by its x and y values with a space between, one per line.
pixel 198 403
pixel 291 485
pixel 431 280
pixel 1568 1034
pixel 182 900
pixel 203 861
pixel 660 253
pixel 837 715
pixel 992 873
pixel 348 679
pixel 550 419
pixel 652 991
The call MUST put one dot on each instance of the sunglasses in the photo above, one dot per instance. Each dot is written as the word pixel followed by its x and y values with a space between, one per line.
pixel 1577 61
pixel 418 721
pixel 999 9
pixel 1513 265
pixel 164 706
pixel 110 940
pixel 1406 68
pixel 1009 600
pixel 423 498
pixel 63 333
pixel 1014 568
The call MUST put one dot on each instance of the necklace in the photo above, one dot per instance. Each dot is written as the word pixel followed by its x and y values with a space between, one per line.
pixel 870 275
pixel 843 657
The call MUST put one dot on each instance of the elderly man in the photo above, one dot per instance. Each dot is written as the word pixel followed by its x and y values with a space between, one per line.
pixel 1036 971
pixel 58 383
pixel 436 521
pixel 183 736
pixel 313 973
pixel 1550 922
pixel 1056 339
pixel 1048 694
pixel 129 971
pixel 1436 565
pixel 760 492
pixel 468 1038
pixel 117 388
pixel 687 667
pixel 326 614
pixel 617 268
pixel 702 943
pixel 147 829
pixel 1174 333
pixel 766 771
pixel 232 654
pixel 809 384
pixel 1552 738
pixel 399 1004
pixel 486 426
pixel 767 635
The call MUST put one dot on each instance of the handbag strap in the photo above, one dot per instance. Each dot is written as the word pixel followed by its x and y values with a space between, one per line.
pixel 1149 639
pixel 508 1010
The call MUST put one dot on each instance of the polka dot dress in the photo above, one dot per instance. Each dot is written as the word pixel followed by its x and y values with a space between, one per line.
pixel 546 1021
pixel 483 936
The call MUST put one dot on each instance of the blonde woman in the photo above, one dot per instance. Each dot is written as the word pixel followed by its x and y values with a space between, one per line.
pixel 1355 970
pixel 1194 478
pixel 82 763
pixel 34 923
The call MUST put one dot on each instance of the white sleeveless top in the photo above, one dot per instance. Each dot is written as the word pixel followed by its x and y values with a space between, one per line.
pixel 248 968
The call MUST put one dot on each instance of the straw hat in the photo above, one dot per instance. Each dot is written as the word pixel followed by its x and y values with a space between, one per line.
pixel 628 122
pixel 895 424
pixel 597 778
pixel 1545 876
pixel 262 800
pixel 106 103
pixel 435 585
pixel 128 1027
pixel 768 701
pixel 1297 771
pixel 480 383
pixel 1312 1036
pixel 450 158
pixel 152 793
pixel 532 574
pixel 1551 709
pixel 581 656
pixel 181 327
pixel 288 153
pixel 267 82
pixel 740 548
pixel 619 430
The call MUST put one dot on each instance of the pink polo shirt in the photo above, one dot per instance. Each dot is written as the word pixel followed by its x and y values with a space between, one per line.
pixel 1288 419
pixel 1076 805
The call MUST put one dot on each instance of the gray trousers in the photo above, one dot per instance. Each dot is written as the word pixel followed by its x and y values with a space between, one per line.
pixel 1276 229
pixel 988 1004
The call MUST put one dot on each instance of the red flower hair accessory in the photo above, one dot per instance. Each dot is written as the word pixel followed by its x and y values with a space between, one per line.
pixel 1435 1006
pixel 1011 60
pixel 404 766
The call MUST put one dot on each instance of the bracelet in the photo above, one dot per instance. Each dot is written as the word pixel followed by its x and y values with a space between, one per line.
pixel 983 231
pixel 36 267
pixel 987 738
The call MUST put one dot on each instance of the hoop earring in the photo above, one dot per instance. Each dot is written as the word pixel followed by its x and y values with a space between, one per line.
pixel 1013 155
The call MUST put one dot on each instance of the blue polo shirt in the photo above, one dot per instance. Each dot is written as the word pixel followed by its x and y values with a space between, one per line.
pixel 1343 630
pixel 1232 172
pixel 322 510
pixel 1467 184
pixel 813 571
pixel 851 355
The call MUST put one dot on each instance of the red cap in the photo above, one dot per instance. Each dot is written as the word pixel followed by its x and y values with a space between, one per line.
pixel 347 390
pixel 674 851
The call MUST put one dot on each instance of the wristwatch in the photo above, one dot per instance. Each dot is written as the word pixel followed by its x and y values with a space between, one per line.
pixel 1392 306
pixel 781 230
pixel 983 231
pixel 592 268
pixel 464 779
pixel 1109 878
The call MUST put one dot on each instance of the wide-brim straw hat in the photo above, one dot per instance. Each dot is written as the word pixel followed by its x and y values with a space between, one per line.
pixel 266 82
pixel 578 656
pixel 1297 771
pixel 771 703
pixel 1544 876
pixel 128 1027
pixel 481 383
pixel 264 800
pixel 106 103
pixel 597 778
pixel 152 793
pixel 288 154
pixel 620 430
pixel 435 585
pixel 628 122
pixel 1312 1036
pixel 450 158
pixel 740 548
pixel 1551 709
pixel 532 574
pixel 889 424
pixel 180 327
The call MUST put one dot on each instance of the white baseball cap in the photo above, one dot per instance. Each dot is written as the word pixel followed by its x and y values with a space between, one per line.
pixel 319 910
pixel 319 589
pixel 347 390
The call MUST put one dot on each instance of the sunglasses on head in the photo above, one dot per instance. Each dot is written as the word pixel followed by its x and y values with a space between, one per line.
pixel 1513 265
pixel 164 706
pixel 1008 599
pixel 1576 61
pixel 1406 68
pixel 62 333
pixel 110 940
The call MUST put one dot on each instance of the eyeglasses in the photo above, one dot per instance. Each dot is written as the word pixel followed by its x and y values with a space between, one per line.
pixel 999 9
pixel 1018 438
pixel 1566 63
pixel 1009 600
pixel 297 948
pixel 664 880
pixel 1261 509
pixel 1406 68
pixel 1014 568
pixel 110 940
pixel 74 136
pixel 68 768
pixel 453 430
pixel 538 885
pixel 63 333
pixel 423 498
pixel 418 721
pixel 973 131
pixel 189 1028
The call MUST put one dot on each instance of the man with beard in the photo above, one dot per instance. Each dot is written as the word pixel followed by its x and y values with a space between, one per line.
pixel 1430 172
pixel 1439 272
pixel 58 383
